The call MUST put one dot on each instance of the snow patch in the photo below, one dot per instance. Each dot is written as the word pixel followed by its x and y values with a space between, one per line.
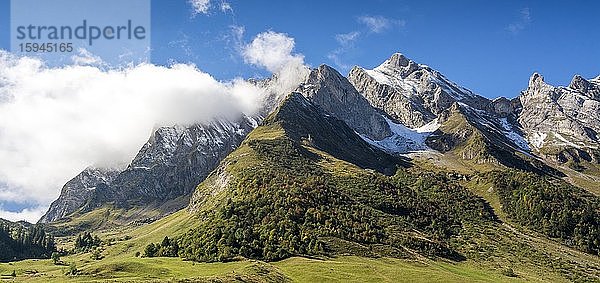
pixel 404 139
pixel 378 76
pixel 429 127
pixel 538 139
pixel 141 167
pixel 513 136
pixel 253 122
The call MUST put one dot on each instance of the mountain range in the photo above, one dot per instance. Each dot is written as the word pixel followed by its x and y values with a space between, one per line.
pixel 398 107
pixel 395 161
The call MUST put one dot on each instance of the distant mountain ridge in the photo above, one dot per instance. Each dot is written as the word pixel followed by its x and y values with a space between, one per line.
pixel 562 122
pixel 166 170
pixel 398 107
pixel 414 94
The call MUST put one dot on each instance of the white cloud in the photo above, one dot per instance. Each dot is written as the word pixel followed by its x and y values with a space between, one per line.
pixel 274 52
pixel 379 24
pixel 54 122
pixel 521 23
pixel 86 58
pixel 204 6
pixel 31 215
pixel 200 6
pixel 271 50
pixel 235 37
pixel 346 42
pixel 347 38
pixel 226 7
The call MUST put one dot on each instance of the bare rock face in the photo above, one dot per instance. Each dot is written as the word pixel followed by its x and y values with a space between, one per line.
pixel 176 159
pixel 503 107
pixel 412 94
pixel 567 116
pixel 76 191
pixel 390 100
pixel 168 167
pixel 590 89
pixel 332 92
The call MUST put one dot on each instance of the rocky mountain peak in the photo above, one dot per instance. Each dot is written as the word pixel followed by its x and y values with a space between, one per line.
pixel 77 191
pixel 536 79
pixel 410 93
pixel 539 89
pixel 589 88
pixel 398 60
pixel 398 64
pixel 580 84
pixel 567 115
pixel 328 70
pixel 333 93
pixel 325 73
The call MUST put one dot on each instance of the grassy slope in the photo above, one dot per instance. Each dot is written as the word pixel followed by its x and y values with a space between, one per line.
pixel 356 269
pixel 121 265
pixel 498 248
pixel 341 269
pixel 588 179
pixel 510 245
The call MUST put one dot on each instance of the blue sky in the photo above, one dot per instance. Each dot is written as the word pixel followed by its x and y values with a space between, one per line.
pixel 491 47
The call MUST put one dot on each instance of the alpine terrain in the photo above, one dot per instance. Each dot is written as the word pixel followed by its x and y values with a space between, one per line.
pixel 387 174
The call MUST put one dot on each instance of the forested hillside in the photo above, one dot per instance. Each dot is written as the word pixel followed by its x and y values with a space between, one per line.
pixel 552 207
pixel 19 241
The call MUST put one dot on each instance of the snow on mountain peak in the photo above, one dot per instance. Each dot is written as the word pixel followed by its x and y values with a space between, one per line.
pixel 398 60
pixel 535 79
pixel 400 72
pixel 404 139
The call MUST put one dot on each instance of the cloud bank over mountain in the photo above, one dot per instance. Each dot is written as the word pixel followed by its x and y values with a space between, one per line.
pixel 55 121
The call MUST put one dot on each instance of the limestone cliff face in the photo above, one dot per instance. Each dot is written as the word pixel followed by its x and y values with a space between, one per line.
pixel 76 191
pixel 167 168
pixel 566 119
pixel 332 92
pixel 411 93
pixel 567 115
pixel 562 123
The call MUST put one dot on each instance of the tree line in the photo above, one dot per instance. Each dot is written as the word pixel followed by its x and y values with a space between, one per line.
pixel 19 242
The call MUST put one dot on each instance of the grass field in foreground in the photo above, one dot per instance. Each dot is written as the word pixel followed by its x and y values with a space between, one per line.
pixel 119 264
pixel 341 269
